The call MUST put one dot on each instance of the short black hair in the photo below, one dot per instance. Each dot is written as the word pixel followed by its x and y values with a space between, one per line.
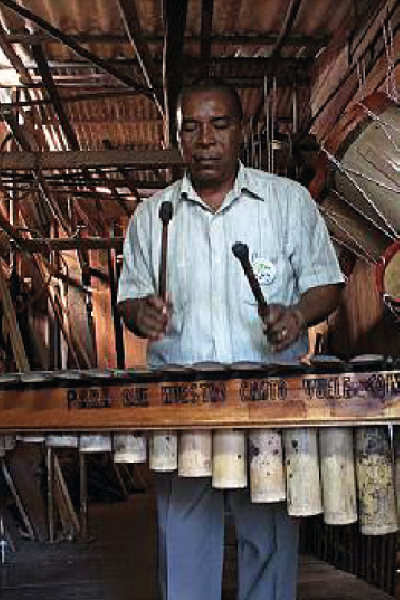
pixel 212 83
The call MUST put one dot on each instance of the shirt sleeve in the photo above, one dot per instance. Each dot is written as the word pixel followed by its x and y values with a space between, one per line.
pixel 136 280
pixel 314 258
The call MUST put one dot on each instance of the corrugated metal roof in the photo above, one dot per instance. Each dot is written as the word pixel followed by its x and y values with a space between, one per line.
pixel 134 121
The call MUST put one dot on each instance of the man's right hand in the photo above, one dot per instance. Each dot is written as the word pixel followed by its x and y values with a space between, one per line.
pixel 147 317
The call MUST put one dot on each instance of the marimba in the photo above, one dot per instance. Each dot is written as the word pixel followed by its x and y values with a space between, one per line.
pixel 195 419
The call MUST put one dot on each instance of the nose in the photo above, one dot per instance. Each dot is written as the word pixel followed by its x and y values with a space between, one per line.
pixel 206 134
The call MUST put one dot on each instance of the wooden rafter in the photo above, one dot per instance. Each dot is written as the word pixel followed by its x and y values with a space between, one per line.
pixel 66 126
pixel 25 145
pixel 291 17
pixel 76 48
pixel 146 159
pixel 38 245
pixel 21 359
pixel 131 21
pixel 174 24
pixel 45 73
pixel 296 40
pixel 207 10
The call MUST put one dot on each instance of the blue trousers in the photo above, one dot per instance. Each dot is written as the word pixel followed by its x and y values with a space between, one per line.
pixel 191 542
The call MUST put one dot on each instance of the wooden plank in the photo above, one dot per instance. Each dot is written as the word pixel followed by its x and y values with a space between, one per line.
pixel 62 160
pixel 67 511
pixel 63 244
pixel 343 399
pixel 20 356
pixel 25 469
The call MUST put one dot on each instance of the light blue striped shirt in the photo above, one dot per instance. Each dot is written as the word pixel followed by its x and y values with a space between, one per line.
pixel 215 316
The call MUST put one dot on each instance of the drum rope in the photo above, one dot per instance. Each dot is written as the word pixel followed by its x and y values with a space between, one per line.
pixel 383 124
pixel 364 216
pixel 347 172
pixel 378 183
pixel 349 248
pixel 391 88
pixel 361 77
pixel 332 215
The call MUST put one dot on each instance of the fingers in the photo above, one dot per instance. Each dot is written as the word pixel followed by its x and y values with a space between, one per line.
pixel 152 317
pixel 282 325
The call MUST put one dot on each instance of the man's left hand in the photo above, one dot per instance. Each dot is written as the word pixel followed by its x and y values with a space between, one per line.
pixel 282 325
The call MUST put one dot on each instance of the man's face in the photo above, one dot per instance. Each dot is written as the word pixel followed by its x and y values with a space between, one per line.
pixel 210 135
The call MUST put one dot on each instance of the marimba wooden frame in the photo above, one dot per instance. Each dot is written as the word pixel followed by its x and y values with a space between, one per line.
pixel 251 401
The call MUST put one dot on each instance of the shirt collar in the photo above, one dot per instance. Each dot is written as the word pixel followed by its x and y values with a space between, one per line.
pixel 244 181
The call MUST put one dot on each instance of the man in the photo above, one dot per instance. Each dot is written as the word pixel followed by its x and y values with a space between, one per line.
pixel 211 315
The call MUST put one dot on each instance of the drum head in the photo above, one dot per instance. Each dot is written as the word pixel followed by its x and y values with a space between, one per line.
pixel 388 278
pixel 357 178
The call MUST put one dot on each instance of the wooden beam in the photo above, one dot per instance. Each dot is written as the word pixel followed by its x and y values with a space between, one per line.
pixel 66 182
pixel 47 78
pixel 193 62
pixel 52 91
pixel 47 161
pixel 42 245
pixel 76 48
pixel 131 21
pixel 144 401
pixel 296 40
pixel 290 18
pixel 175 24
pixel 21 359
pixel 22 140
pixel 207 10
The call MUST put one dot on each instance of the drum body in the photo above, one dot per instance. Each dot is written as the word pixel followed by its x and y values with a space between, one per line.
pixel 371 164
pixel 360 166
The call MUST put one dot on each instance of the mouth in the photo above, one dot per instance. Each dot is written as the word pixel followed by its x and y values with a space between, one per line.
pixel 206 160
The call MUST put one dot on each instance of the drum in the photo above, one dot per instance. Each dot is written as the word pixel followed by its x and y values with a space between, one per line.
pixel 388 278
pixel 359 164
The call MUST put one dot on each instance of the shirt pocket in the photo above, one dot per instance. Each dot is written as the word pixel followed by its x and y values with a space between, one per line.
pixel 270 285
